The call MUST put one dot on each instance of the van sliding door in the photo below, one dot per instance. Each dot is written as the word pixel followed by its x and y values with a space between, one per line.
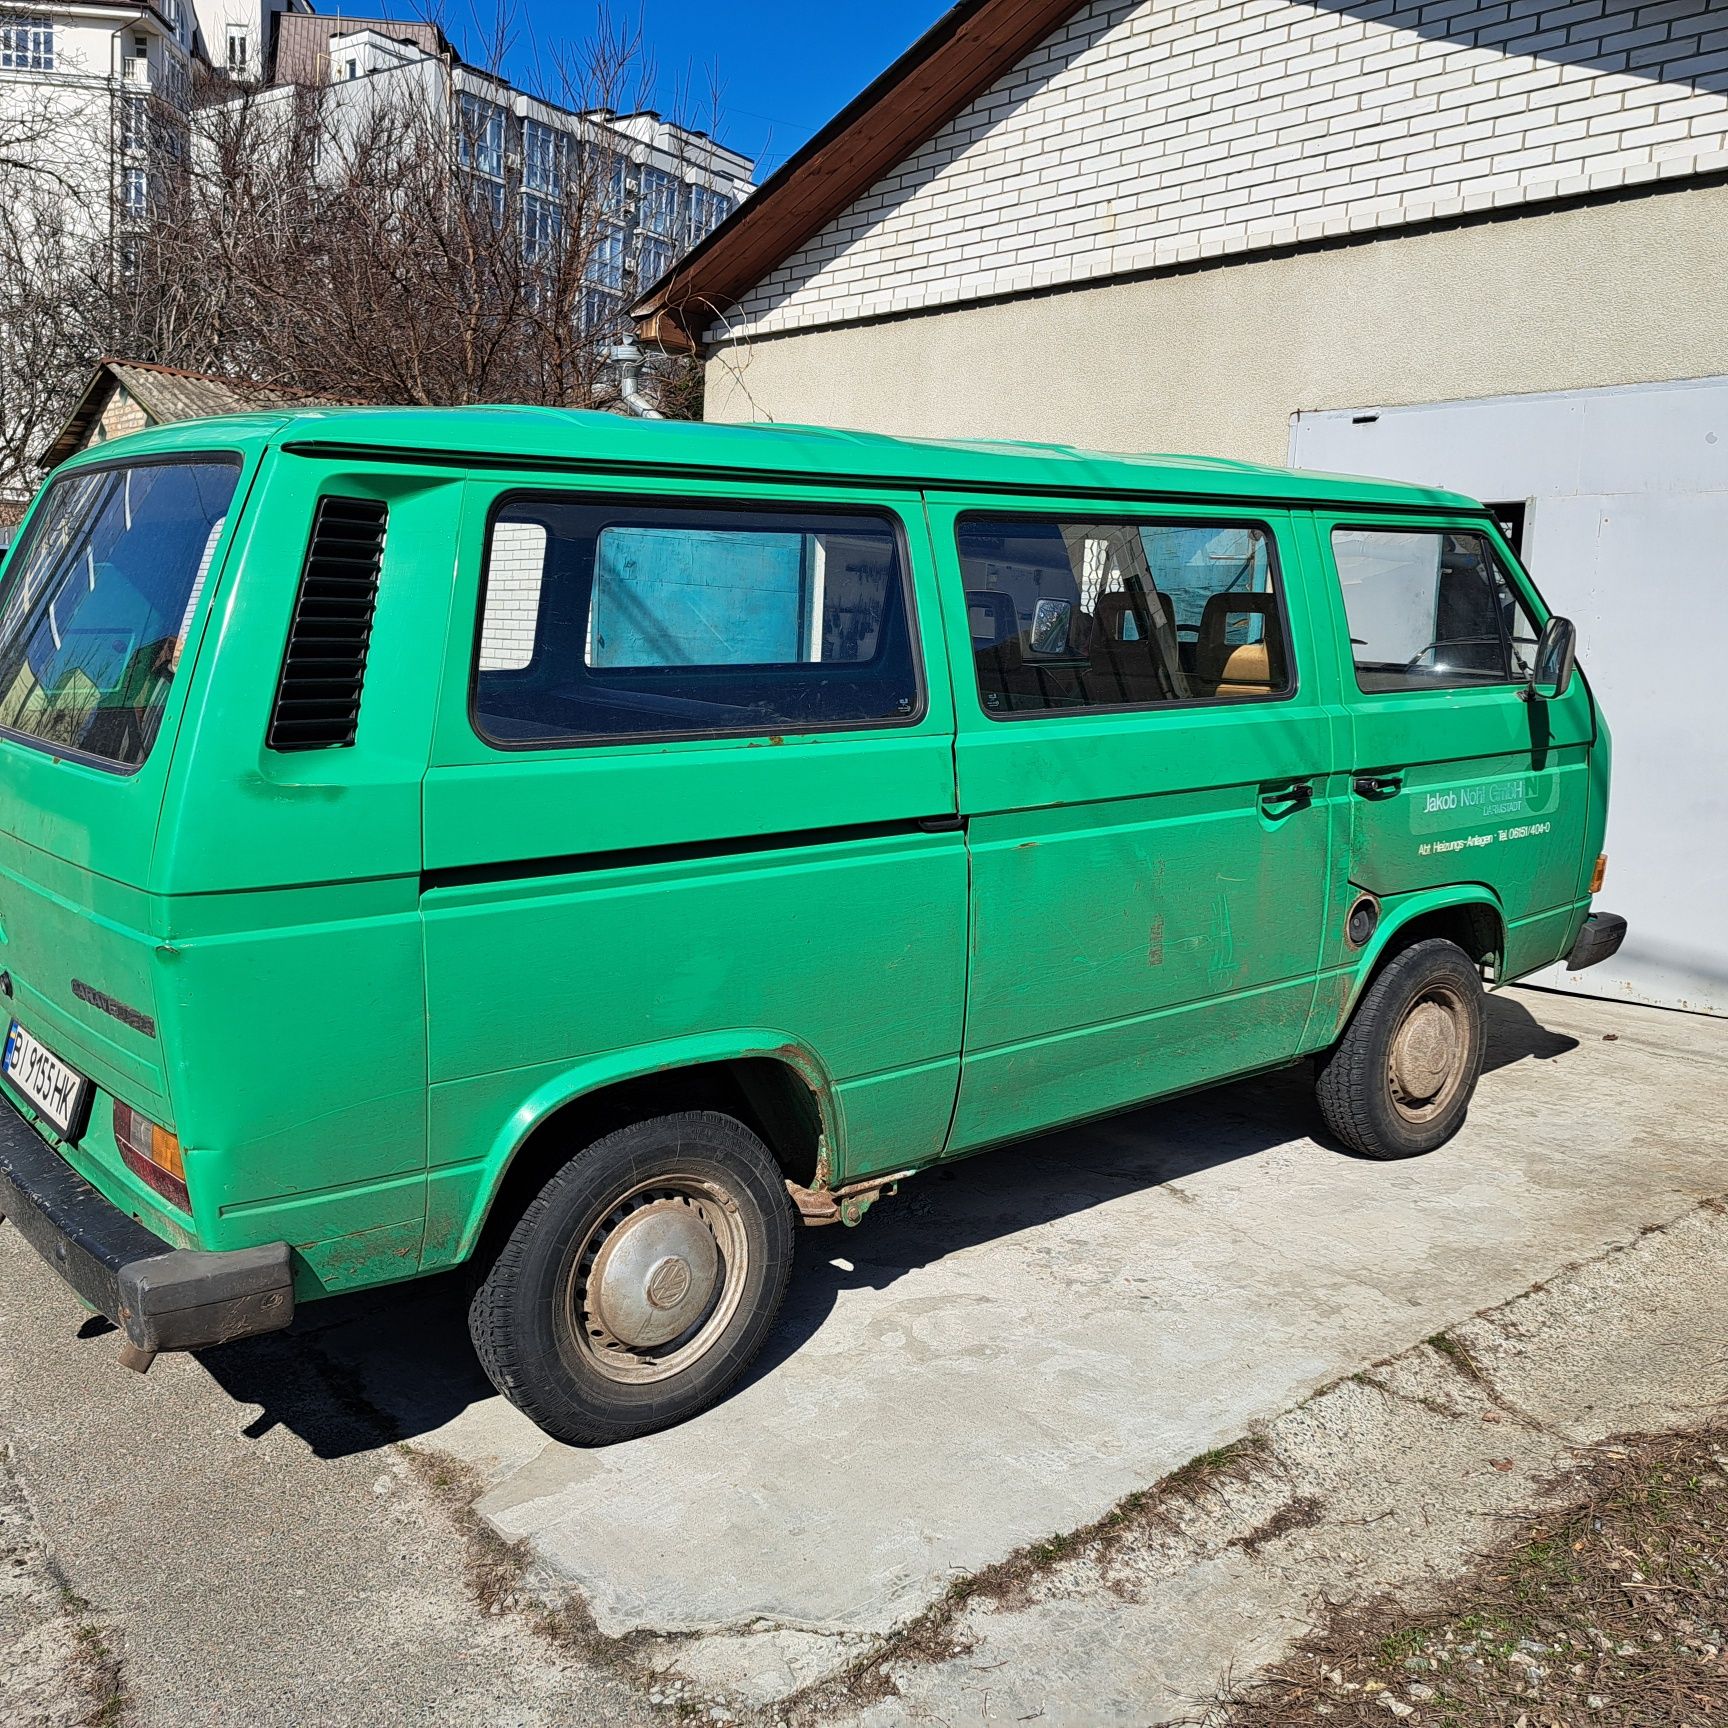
pixel 1147 766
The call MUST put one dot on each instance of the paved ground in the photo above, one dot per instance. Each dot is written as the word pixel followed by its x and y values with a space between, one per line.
pixel 1012 1345
pixel 248 1569
pixel 1002 1352
pixel 1394 1478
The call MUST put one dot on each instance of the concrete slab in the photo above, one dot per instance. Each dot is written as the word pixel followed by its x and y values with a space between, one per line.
pixel 1392 1480
pixel 1015 1343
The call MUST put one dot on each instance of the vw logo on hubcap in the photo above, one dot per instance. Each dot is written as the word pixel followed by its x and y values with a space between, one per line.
pixel 669 1282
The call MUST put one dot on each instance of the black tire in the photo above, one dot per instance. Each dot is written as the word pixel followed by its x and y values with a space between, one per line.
pixel 1400 1080
pixel 610 1253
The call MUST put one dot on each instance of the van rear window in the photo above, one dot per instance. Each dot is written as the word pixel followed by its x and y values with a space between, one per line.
pixel 617 620
pixel 98 600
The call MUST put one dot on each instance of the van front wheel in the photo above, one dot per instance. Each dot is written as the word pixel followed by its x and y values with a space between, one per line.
pixel 639 1282
pixel 1400 1080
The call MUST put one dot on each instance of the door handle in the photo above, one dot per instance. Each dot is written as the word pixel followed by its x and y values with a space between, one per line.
pixel 1377 786
pixel 1283 800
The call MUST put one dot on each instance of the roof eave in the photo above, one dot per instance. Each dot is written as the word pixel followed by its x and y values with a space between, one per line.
pixel 70 437
pixel 962 54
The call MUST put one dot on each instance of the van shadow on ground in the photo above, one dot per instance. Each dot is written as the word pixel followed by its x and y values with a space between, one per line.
pixel 357 1372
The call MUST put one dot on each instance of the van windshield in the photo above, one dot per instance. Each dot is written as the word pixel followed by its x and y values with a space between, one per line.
pixel 98 599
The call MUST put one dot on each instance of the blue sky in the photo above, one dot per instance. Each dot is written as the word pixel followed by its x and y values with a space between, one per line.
pixel 783 67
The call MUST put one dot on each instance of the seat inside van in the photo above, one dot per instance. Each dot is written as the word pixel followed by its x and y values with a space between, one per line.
pixel 1239 651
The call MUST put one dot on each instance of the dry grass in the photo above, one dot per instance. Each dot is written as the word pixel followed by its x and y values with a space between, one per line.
pixel 96 1669
pixel 496 1572
pixel 936 1635
pixel 1608 1611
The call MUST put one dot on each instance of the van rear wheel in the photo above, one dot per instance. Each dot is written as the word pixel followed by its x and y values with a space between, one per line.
pixel 1400 1080
pixel 640 1281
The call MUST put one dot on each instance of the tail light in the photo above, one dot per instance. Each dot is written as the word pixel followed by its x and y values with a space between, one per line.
pixel 1598 873
pixel 152 1154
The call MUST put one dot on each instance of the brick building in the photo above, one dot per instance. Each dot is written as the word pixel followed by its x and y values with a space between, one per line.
pixel 1482 243
pixel 1194 198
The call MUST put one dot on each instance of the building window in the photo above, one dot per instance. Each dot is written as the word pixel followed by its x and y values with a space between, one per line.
pixel 706 210
pixel 480 140
pixel 658 212
pixel 134 123
pixel 606 260
pixel 602 313
pixel 605 184
pixel 487 198
pixel 653 259
pixel 543 152
pixel 1068 615
pixel 239 53
pixel 542 227
pixel 26 45
pixel 135 193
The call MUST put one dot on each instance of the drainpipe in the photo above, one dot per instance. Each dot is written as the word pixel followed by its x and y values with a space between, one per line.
pixel 627 357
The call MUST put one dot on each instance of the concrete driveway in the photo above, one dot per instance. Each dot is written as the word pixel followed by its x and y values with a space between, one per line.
pixel 1000 1353
pixel 1013 1344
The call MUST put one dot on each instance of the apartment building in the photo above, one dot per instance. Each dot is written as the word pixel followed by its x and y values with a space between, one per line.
pixel 653 188
pixel 94 96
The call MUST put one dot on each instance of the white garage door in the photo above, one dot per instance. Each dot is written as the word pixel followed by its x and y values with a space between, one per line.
pixel 1626 531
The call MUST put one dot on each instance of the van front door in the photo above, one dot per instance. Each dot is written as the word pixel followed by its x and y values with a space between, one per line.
pixel 1456 777
pixel 1150 774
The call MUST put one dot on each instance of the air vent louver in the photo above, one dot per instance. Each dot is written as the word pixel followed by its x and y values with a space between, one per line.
pixel 318 699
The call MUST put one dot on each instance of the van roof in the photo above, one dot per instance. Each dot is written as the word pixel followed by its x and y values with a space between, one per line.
pixel 550 439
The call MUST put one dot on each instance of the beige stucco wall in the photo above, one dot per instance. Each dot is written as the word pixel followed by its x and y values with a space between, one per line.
pixel 1218 359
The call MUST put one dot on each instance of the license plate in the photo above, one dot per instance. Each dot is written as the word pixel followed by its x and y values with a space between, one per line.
pixel 57 1093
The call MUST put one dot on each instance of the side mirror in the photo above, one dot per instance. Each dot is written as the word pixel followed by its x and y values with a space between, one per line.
pixel 1051 622
pixel 1555 655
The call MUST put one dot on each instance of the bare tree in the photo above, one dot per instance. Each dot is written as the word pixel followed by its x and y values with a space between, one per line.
pixel 68 202
pixel 374 241
pixel 366 241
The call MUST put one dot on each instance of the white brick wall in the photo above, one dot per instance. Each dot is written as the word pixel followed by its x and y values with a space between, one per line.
pixel 1163 131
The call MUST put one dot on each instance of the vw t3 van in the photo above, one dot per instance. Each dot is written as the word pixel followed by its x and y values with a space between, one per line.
pixel 587 849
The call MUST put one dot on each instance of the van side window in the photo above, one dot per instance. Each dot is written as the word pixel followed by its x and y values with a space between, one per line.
pixel 615 619
pixel 1430 609
pixel 1088 614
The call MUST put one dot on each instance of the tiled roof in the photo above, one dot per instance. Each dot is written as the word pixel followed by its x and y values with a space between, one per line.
pixel 167 394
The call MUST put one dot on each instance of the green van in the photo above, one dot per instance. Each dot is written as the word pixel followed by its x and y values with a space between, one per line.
pixel 584 848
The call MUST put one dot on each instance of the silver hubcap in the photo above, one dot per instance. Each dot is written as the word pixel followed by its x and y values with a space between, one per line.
pixel 1426 1063
pixel 654 1274
pixel 658 1278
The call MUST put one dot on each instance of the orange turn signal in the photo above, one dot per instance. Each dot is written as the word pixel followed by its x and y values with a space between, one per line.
pixel 1599 872
pixel 152 1154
